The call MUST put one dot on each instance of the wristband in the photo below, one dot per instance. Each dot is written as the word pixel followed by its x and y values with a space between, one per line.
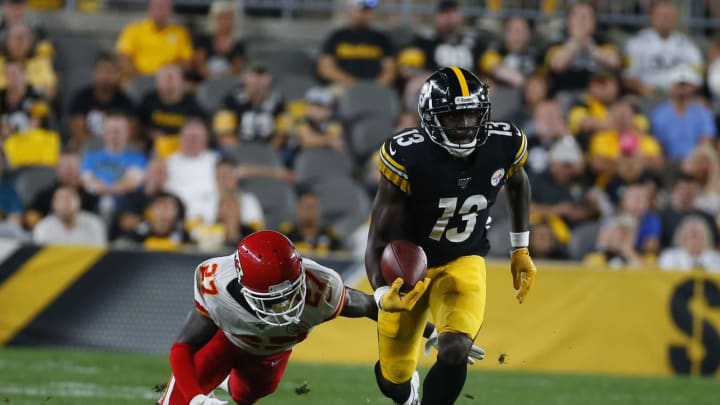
pixel 519 239
pixel 379 293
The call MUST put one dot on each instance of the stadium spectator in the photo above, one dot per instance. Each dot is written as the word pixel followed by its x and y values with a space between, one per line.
pixel 546 128
pixel 191 172
pixel 258 109
pixel 114 170
pixel 17 100
pixel 165 110
pixel 131 207
pixel 512 61
pixel 357 51
pixel 68 224
pixel 591 113
pixel 448 44
pixel 18 48
pixel 713 72
pixel 219 53
pixel 229 226
pixel 146 46
pixel 90 104
pixel 682 204
pixel 560 195
pixel 227 184
pixel 682 122
pixel 616 244
pixel 67 175
pixel 11 208
pixel 318 129
pixel 655 52
pixel 308 234
pixel 572 61
pixel 692 248
pixel 543 243
pixel 15 11
pixel 623 135
pixel 163 230
pixel 704 166
pixel 534 91
pixel 636 201
pixel 630 169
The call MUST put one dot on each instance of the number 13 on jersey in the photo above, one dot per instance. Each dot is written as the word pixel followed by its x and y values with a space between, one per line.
pixel 468 214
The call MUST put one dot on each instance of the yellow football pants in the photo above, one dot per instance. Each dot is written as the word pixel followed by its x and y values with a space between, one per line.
pixel 456 300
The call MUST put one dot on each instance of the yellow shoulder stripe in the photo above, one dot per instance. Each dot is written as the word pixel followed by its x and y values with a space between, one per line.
pixel 384 155
pixel 394 175
pixel 521 154
pixel 461 78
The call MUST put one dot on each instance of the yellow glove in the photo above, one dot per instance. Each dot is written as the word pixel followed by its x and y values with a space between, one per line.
pixel 389 299
pixel 523 272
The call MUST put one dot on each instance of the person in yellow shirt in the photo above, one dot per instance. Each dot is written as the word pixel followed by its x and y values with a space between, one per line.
pixel 145 46
pixel 590 114
pixel 19 46
pixel 606 146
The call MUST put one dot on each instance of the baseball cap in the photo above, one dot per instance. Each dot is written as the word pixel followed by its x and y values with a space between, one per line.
pixel 565 150
pixel 685 74
pixel 319 95
pixel 363 3
pixel 447 5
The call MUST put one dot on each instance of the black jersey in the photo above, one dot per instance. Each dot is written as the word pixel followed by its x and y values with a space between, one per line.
pixel 447 198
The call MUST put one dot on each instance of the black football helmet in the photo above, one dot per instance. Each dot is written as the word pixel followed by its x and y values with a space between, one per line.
pixel 454 108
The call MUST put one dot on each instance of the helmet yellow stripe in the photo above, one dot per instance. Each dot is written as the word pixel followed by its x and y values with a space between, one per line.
pixel 461 79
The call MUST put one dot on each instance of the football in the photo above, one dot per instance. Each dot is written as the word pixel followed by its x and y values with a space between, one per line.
pixel 404 259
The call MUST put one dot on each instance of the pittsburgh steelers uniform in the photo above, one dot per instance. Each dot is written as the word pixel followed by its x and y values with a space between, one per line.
pixel 446 207
pixel 254 353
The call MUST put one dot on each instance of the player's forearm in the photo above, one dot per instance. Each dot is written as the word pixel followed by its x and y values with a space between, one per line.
pixel 518 191
pixel 359 304
pixel 182 364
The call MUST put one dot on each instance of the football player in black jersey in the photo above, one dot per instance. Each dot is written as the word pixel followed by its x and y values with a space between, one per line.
pixel 438 182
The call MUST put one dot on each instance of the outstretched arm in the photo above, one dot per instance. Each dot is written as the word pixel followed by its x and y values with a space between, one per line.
pixel 194 334
pixel 385 226
pixel 521 265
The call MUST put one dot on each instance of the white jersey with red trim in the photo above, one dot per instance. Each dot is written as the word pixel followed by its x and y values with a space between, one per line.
pixel 324 299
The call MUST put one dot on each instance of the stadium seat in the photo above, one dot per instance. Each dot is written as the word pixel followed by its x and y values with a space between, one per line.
pixel 498 238
pixel 30 180
pixel 505 101
pixel 212 92
pixel 315 163
pixel 140 86
pixel 277 198
pixel 367 135
pixel 368 100
pixel 255 153
pixel 294 86
pixel 344 203
pixel 287 61
pixel 73 51
pixel 583 241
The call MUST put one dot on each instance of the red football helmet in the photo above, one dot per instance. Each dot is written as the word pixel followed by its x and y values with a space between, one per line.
pixel 272 277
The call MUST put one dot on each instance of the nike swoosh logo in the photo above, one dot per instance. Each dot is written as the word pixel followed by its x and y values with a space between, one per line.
pixel 390 148
pixel 274 363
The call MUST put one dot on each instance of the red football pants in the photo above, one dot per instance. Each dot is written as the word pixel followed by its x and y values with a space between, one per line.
pixel 251 376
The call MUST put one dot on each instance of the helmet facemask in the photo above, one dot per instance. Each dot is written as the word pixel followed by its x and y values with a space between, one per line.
pixel 459 130
pixel 281 305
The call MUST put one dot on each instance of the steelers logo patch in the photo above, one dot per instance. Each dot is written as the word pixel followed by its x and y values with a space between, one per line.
pixel 497 176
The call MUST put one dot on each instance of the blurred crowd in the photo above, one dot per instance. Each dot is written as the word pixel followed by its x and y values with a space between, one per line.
pixel 181 141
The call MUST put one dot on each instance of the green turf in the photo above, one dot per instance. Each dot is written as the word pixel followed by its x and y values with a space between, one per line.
pixel 54 377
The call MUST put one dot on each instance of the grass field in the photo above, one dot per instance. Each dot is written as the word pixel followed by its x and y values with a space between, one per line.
pixel 55 377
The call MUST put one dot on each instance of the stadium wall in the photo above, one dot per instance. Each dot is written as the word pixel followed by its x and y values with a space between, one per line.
pixel 575 320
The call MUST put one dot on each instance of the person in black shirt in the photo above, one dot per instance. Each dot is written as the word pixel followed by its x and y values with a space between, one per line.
pixel 218 53
pixel 572 61
pixel 90 104
pixel 258 110
pixel 514 59
pixel 308 234
pixel 357 52
pixel 164 111
pixel 445 45
pixel 18 101
pixel 68 175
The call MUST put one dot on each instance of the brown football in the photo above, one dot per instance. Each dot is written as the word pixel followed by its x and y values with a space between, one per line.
pixel 404 259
